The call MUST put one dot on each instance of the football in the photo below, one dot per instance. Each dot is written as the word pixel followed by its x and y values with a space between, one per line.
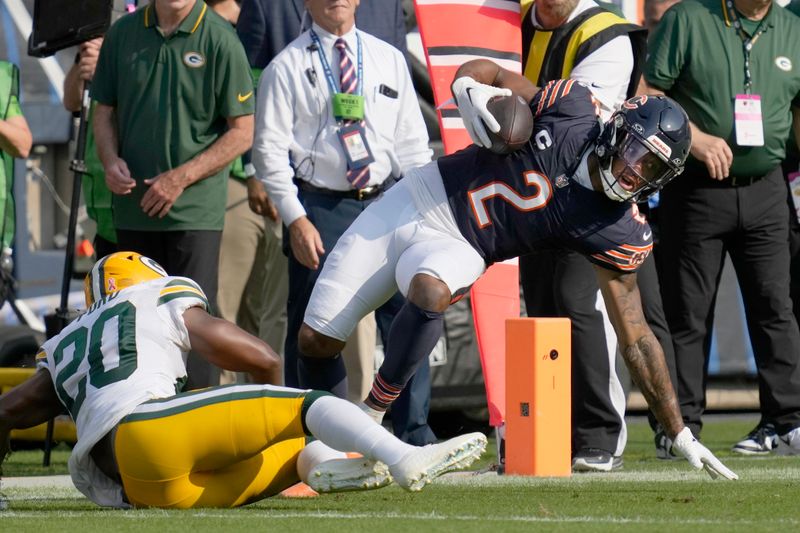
pixel 516 123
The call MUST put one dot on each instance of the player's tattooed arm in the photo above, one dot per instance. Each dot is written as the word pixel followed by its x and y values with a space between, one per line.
pixel 641 350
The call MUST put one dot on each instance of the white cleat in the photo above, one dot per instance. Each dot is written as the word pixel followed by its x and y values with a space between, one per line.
pixel 425 464
pixel 342 475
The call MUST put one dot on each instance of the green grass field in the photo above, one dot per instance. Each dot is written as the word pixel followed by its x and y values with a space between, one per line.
pixel 647 495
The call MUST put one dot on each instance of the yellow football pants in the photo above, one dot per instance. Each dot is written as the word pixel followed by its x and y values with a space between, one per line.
pixel 219 447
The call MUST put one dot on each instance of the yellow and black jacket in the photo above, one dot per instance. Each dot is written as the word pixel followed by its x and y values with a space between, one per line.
pixel 551 55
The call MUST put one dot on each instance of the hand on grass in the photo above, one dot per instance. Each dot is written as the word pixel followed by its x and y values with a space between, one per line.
pixel 699 456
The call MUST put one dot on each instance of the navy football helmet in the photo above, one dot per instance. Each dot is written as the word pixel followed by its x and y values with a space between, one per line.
pixel 642 147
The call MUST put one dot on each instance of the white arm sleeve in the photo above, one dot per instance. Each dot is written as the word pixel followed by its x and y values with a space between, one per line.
pixel 607 73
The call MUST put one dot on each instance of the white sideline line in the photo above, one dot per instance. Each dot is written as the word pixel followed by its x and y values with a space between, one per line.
pixel 35 481
pixel 523 519
pixel 746 467
pixel 139 514
pixel 59 488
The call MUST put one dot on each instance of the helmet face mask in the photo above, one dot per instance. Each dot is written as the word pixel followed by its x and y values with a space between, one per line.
pixel 119 271
pixel 643 146
pixel 638 170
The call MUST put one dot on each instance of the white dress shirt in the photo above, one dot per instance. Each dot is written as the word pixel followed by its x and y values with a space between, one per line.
pixel 607 70
pixel 296 133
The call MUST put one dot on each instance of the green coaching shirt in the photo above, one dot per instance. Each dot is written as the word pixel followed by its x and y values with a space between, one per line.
pixel 9 107
pixel 96 195
pixel 697 58
pixel 172 95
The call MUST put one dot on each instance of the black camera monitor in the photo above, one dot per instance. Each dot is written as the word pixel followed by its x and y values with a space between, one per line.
pixel 59 24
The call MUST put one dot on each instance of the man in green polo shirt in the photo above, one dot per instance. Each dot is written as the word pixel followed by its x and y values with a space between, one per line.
pixel 15 141
pixel 174 107
pixel 791 165
pixel 734 65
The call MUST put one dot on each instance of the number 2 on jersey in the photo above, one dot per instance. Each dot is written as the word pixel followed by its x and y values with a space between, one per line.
pixel 105 367
pixel 478 197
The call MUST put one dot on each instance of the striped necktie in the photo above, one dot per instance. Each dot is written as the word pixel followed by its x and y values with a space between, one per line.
pixel 348 82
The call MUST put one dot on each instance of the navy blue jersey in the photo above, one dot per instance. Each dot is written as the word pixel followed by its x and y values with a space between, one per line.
pixel 510 205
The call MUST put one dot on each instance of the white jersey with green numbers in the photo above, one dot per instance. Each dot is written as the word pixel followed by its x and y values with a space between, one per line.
pixel 127 348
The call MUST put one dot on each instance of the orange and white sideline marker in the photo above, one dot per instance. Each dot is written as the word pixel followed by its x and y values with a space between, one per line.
pixel 538 397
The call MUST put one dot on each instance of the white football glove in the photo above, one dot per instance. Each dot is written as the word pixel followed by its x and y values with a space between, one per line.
pixel 699 456
pixel 472 97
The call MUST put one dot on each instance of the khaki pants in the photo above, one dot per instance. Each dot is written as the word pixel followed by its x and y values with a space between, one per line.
pixel 253 281
pixel 359 359
pixel 253 288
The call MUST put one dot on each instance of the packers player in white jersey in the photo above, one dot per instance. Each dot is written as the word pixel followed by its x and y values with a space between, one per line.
pixel 118 369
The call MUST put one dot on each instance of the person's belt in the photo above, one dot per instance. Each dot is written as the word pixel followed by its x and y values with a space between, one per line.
pixel 743 181
pixel 356 194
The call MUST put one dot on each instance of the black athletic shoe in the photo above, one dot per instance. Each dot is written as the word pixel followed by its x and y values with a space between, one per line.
pixel 761 441
pixel 595 460
pixel 664 445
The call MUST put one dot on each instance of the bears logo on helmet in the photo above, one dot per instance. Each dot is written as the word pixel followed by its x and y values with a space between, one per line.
pixel 636 101
pixel 118 271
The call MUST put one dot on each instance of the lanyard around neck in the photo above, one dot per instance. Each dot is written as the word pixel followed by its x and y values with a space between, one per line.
pixel 327 67
pixel 747 42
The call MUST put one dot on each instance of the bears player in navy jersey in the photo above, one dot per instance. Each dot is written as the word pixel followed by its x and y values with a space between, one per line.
pixel 574 184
